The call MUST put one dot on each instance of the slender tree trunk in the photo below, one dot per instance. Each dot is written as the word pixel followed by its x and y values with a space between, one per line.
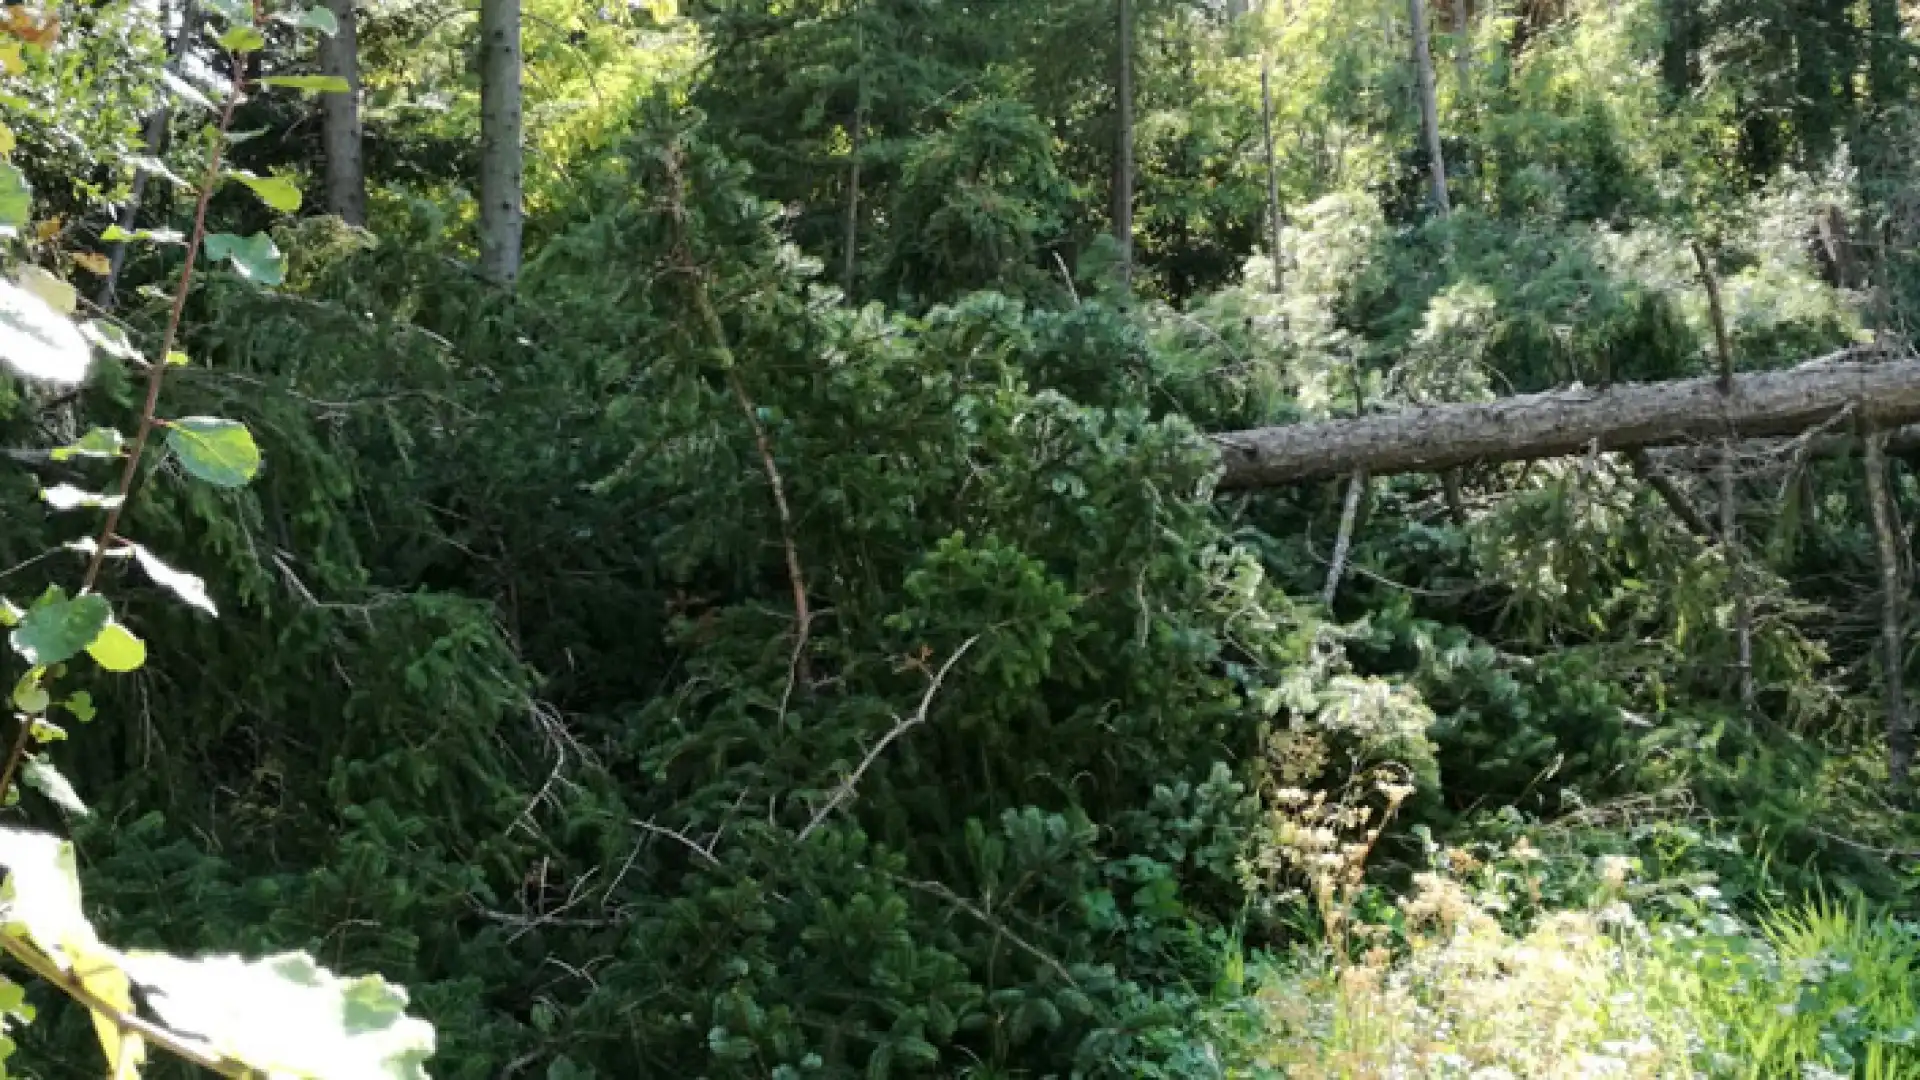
pixel 1729 505
pixel 340 131
pixel 1123 142
pixel 156 140
pixel 1463 47
pixel 1429 105
pixel 1274 221
pixel 501 210
pixel 1893 632
pixel 850 238
pixel 1343 540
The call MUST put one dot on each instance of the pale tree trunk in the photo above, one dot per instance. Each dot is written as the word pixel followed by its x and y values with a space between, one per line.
pixel 1123 141
pixel 501 212
pixel 156 139
pixel 340 132
pixel 1429 105
pixel 1274 221
pixel 1624 417
pixel 1463 47
pixel 1893 632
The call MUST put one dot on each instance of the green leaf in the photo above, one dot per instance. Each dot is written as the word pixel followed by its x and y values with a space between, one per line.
pixel 254 257
pixel 41 776
pixel 68 497
pixel 100 442
pixel 310 19
pixel 115 234
pixel 16 196
pixel 37 342
pixel 10 614
pixel 59 295
pixel 117 649
pixel 47 731
pixel 242 39
pixel 109 339
pixel 279 192
pixel 81 706
pixel 237 12
pixel 59 629
pixel 29 696
pixel 188 587
pixel 220 452
pixel 309 84
pixel 287 1016
pixel 176 358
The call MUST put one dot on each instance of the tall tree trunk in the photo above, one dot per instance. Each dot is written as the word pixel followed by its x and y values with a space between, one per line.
pixel 850 238
pixel 1274 221
pixel 501 212
pixel 1893 631
pixel 1463 47
pixel 1123 141
pixel 156 139
pixel 1429 105
pixel 340 132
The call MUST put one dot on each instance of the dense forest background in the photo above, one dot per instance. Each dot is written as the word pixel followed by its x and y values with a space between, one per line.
pixel 740 583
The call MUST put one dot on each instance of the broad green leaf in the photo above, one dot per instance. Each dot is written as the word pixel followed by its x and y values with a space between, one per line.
pixel 309 84
pixel 101 442
pixel 237 12
pixel 188 587
pixel 279 192
pixel 29 696
pixel 47 731
pixel 41 776
pixel 41 902
pixel 221 452
pixel 81 706
pixel 287 1016
pixel 16 196
pixel 68 497
pixel 242 39
pixel 10 613
pixel 59 295
pixel 59 629
pixel 254 257
pixel 310 19
pixel 176 358
pixel 117 649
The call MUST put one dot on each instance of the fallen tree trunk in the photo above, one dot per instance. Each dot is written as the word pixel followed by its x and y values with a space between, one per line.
pixel 1761 405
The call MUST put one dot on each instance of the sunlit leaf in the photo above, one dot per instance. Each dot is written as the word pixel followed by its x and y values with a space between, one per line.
pixel 310 19
pixel 92 262
pixel 254 257
pixel 16 196
pixel 117 649
pixel 68 497
pixel 81 706
pixel 60 629
pixel 287 1016
pixel 41 901
pixel 39 28
pixel 220 452
pixel 29 696
pixel 309 84
pixel 176 358
pixel 57 294
pixel 10 59
pixel 37 342
pixel 40 775
pixel 242 39
pixel 109 339
pixel 234 11
pixel 187 92
pixel 188 587
pixel 279 192
pixel 100 442
pixel 115 234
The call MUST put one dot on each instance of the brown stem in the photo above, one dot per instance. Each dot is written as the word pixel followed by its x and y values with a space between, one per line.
pixel 1893 633
pixel 1723 347
pixel 1654 477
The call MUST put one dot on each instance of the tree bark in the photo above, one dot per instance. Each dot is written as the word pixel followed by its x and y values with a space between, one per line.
pixel 1463 47
pixel 1429 105
pixel 501 167
pixel 1343 540
pixel 1274 222
pixel 1123 142
pixel 1558 423
pixel 156 138
pixel 1893 633
pixel 340 132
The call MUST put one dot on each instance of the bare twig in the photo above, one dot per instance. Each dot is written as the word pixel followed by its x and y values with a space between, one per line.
pixel 845 790
pixel 1892 615
pixel 1343 541
pixel 1670 493
pixel 934 888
